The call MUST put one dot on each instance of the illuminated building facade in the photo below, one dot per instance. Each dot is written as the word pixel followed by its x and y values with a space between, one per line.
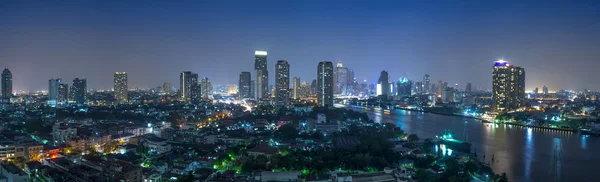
pixel 79 91
pixel 53 91
pixel 383 85
pixel 262 75
pixel 404 87
pixel 245 85
pixel 296 90
pixel 508 86
pixel 325 84
pixel 6 85
pixel 120 87
pixel 282 83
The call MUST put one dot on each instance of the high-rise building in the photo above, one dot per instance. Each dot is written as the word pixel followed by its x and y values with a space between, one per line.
pixel 468 88
pixel 244 85
pixel 508 86
pixel 296 88
pixel 185 84
pixel 282 83
pixel 6 85
pixel 196 87
pixel 351 82
pixel 167 88
pixel 419 88
pixel 63 93
pixel 53 91
pixel 120 89
pixel 426 84
pixel 262 75
pixel 383 85
pixel 325 84
pixel 404 87
pixel 314 88
pixel 545 90
pixel 79 91
pixel 253 89
pixel 536 91
pixel 341 79
pixel 304 90
pixel 206 88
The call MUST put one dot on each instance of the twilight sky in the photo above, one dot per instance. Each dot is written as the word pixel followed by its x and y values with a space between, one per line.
pixel 557 42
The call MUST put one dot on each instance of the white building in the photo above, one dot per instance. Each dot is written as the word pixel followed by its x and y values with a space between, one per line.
pixel 157 145
pixel 62 133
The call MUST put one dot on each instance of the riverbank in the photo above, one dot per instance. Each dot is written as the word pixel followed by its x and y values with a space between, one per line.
pixel 487 121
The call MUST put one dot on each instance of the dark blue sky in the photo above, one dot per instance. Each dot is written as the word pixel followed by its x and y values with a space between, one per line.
pixel 557 42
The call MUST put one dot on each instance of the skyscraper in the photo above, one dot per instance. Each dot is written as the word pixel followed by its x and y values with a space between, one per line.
pixel 545 90
pixel 468 88
pixel 304 91
pixel 195 88
pixel 426 84
pixel 262 75
pixel 252 88
pixel 185 84
pixel 325 84
pixel 508 86
pixel 244 85
pixel 404 87
pixel 53 91
pixel 63 93
pixel 314 88
pixel 296 88
pixel 282 83
pixel 341 78
pixel 6 85
pixel 79 91
pixel 383 85
pixel 121 90
pixel 351 82
pixel 167 88
pixel 206 88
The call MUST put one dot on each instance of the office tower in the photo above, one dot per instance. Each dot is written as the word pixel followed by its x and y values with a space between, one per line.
pixel 448 95
pixel 252 88
pixel 206 88
pixel 545 90
pixel 304 90
pixel 296 88
pixel 325 84
pixel 383 86
pixel 262 75
pixel 341 79
pixel 6 85
pixel 53 91
pixel 282 83
pixel 426 84
pixel 79 91
pixel 508 86
pixel 63 93
pixel 167 88
pixel 314 88
pixel 419 88
pixel 185 84
pixel 404 87
pixel 536 91
pixel 468 88
pixel 351 83
pixel 195 88
pixel 120 89
pixel 244 85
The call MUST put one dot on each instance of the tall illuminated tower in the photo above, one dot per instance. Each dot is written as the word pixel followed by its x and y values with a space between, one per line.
pixel 508 86
pixel 79 91
pixel 121 91
pixel 383 85
pixel 6 85
pixel 185 84
pixel 426 84
pixel 53 91
pixel 296 88
pixel 325 84
pixel 244 85
pixel 282 83
pixel 262 75
pixel 341 80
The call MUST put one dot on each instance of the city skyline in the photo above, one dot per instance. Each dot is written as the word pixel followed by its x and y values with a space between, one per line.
pixel 411 43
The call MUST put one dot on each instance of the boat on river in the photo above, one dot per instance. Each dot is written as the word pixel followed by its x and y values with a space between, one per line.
pixel 458 145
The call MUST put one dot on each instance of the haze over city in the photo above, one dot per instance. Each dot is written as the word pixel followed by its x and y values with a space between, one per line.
pixel 457 41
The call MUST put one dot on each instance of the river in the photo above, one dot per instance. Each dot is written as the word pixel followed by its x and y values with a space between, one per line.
pixel 524 154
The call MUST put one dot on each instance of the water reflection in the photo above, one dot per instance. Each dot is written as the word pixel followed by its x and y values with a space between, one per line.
pixel 525 154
